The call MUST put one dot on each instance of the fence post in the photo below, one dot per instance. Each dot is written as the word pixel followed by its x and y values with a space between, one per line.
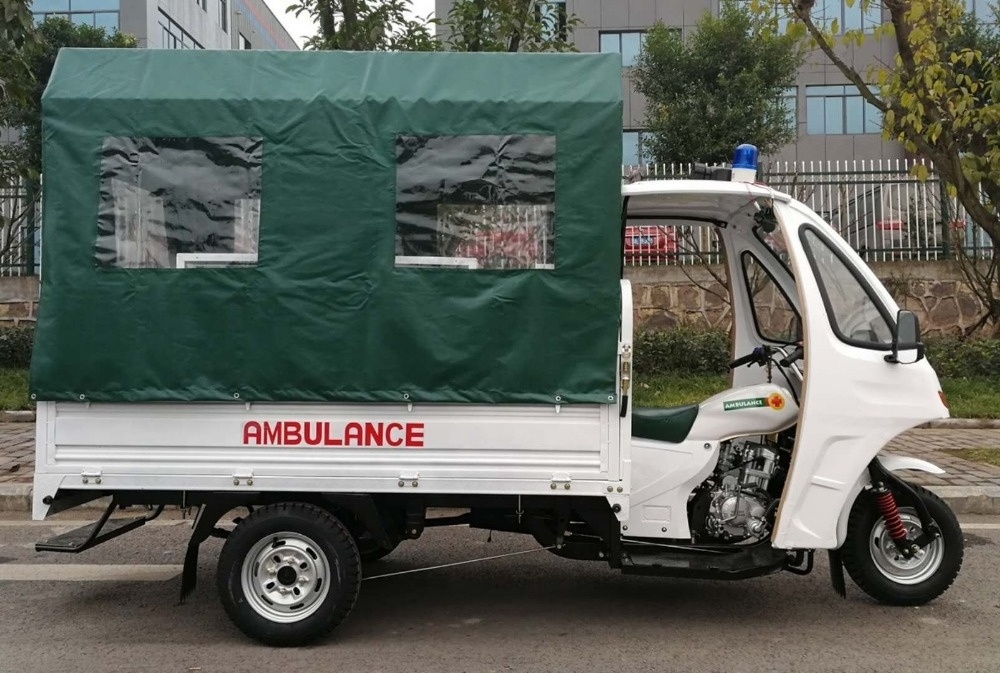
pixel 945 220
pixel 28 242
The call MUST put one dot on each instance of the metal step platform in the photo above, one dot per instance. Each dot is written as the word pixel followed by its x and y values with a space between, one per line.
pixel 96 533
pixel 698 562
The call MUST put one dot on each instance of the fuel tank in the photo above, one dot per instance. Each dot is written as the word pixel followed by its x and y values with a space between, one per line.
pixel 752 410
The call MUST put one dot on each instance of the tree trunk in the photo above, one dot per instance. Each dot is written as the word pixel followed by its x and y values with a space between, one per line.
pixel 326 13
pixel 352 41
pixel 476 43
pixel 515 40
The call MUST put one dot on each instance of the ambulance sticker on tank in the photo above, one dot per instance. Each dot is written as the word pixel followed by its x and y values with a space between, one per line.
pixel 774 401
pixel 751 403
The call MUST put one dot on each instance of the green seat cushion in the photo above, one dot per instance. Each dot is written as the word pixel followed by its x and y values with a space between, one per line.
pixel 665 425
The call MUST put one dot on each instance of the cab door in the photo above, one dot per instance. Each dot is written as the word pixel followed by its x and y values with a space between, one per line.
pixel 853 400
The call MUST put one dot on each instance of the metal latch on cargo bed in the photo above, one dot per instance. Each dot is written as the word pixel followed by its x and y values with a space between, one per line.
pixel 88 476
pixel 561 481
pixel 625 368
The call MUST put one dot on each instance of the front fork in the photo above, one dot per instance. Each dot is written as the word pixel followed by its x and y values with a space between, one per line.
pixel 884 487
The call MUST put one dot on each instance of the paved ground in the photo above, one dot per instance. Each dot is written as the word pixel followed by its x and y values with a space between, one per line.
pixel 934 445
pixel 115 608
pixel 17 454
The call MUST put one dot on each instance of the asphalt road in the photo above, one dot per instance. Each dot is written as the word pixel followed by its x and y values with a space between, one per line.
pixel 533 612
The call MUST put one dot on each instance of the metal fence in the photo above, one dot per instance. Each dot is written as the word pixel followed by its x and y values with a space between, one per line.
pixel 20 217
pixel 878 206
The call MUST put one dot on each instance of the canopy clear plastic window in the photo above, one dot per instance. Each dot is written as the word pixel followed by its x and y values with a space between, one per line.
pixel 179 202
pixel 475 202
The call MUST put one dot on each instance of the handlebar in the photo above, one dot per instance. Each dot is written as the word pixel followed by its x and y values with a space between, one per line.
pixel 754 356
pixel 792 357
pixel 761 354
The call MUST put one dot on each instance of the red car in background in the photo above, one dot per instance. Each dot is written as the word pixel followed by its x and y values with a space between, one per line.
pixel 650 244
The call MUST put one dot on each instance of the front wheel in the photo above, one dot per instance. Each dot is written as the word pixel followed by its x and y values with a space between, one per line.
pixel 878 568
pixel 288 574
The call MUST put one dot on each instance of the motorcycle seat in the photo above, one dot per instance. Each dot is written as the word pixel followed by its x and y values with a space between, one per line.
pixel 665 425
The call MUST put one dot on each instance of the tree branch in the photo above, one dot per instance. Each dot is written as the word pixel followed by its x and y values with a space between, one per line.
pixel 802 12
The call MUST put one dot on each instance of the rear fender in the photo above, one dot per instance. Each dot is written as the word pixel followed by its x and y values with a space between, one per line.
pixel 890 463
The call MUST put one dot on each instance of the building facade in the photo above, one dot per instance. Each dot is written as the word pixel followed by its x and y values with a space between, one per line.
pixel 832 119
pixel 178 24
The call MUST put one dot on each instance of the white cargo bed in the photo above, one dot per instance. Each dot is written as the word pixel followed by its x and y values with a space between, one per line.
pixel 327 448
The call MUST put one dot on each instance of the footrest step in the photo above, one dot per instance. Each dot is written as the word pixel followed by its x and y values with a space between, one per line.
pixel 82 538
pixel 738 564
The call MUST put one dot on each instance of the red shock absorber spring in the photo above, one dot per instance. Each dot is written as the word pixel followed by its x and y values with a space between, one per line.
pixel 890 513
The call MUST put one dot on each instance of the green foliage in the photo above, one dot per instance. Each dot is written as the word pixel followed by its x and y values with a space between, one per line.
pixel 681 350
pixel 960 358
pixel 721 88
pixel 471 25
pixel 366 25
pixel 17 27
pixel 23 111
pixel 676 390
pixel 694 350
pixel 15 346
pixel 972 397
pixel 509 25
pixel 14 390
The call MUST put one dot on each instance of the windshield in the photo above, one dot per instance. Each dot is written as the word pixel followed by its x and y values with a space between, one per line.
pixel 856 316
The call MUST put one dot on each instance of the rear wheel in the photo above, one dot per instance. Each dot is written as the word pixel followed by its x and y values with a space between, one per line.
pixel 288 574
pixel 880 570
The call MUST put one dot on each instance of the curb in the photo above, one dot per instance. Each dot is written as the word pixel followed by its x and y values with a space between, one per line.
pixel 978 500
pixel 17 416
pixel 15 497
pixel 963 424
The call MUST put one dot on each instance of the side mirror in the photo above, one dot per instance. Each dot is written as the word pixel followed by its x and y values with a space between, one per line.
pixel 906 337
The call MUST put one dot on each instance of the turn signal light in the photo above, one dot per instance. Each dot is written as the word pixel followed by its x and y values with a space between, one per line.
pixel 944 400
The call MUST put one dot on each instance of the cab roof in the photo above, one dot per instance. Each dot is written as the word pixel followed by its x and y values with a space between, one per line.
pixel 714 199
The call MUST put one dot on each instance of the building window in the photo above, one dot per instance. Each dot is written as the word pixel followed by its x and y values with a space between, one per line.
pixel 981 10
pixel 627 43
pixel 634 152
pixel 244 43
pixel 224 16
pixel 825 12
pixel 790 103
pixel 840 109
pixel 552 15
pixel 97 13
pixel 172 36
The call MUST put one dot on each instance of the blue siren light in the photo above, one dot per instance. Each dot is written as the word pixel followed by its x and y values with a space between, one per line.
pixel 745 163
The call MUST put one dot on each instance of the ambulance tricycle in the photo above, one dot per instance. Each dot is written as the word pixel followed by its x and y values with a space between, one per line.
pixel 320 294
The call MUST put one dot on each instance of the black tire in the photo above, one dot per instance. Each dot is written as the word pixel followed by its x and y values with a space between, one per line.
pixel 318 576
pixel 918 581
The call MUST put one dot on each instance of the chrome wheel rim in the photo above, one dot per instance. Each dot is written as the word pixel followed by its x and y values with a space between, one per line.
pixel 286 577
pixel 894 565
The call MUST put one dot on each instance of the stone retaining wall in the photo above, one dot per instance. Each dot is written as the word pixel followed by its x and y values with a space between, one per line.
pixel 18 301
pixel 665 296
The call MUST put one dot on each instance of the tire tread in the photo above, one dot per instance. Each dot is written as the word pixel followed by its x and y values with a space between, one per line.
pixel 347 566
pixel 857 558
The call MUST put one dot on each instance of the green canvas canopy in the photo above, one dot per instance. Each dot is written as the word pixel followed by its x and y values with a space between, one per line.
pixel 330 226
